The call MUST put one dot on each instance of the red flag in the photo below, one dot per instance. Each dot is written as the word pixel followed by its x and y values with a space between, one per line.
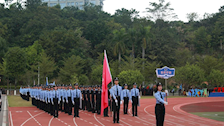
pixel 106 79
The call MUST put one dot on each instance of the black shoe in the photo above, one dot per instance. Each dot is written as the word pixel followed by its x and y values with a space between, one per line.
pixel 117 121
pixel 114 121
pixel 77 116
pixel 136 115
pixel 106 116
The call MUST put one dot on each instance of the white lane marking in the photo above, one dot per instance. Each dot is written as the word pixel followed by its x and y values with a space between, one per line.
pixel 30 118
pixel 10 118
pixel 74 122
pixel 34 118
pixel 98 120
pixel 49 123
pixel 129 110
pixel 126 123
pixel 90 123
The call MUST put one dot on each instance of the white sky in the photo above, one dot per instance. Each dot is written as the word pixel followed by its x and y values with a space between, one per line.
pixel 181 7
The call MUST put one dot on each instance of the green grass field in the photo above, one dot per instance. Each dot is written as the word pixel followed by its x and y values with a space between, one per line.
pixel 17 101
pixel 219 116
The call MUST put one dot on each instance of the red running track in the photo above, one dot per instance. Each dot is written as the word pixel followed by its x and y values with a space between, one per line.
pixel 31 116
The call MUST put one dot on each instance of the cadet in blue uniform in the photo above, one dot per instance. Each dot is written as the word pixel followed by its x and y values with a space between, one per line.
pixel 125 98
pixel 116 90
pixel 159 108
pixel 55 101
pixel 69 100
pixel 76 95
pixel 134 99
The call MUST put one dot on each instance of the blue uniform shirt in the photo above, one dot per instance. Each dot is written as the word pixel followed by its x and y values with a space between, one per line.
pixel 125 93
pixel 75 94
pixel 134 92
pixel 160 100
pixel 116 89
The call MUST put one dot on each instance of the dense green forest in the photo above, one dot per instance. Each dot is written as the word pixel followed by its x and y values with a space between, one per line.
pixel 67 45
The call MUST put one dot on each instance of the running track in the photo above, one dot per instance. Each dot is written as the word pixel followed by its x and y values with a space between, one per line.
pixel 31 116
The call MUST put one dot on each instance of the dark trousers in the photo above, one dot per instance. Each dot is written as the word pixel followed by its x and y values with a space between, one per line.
pixel 160 113
pixel 83 108
pixel 105 112
pixel 98 106
pixel 126 100
pixel 55 108
pixel 94 106
pixel 84 104
pixel 76 107
pixel 89 105
pixel 116 109
pixel 60 104
pixel 70 106
pixel 134 105
pixel 51 107
pixel 65 106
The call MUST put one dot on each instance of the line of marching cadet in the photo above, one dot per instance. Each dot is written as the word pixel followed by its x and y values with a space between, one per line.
pixel 52 99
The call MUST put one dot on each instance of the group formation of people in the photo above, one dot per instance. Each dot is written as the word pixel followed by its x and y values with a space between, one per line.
pixel 196 92
pixel 63 98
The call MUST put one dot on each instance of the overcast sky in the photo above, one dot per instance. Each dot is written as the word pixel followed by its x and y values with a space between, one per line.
pixel 181 7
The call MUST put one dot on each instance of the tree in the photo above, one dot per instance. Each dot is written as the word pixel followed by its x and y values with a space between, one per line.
pixel 216 78
pixel 119 38
pixel 208 63
pixel 190 75
pixel 15 62
pixel 130 76
pixel 192 16
pixel 72 69
pixel 47 66
pixel 161 11
pixel 3 48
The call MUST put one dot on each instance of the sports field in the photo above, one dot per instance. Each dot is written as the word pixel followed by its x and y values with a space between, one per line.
pixel 178 113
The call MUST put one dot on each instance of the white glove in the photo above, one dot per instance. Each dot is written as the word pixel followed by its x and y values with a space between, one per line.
pixel 166 103
pixel 166 91
pixel 121 102
pixel 52 103
pixel 73 102
pixel 139 96
pixel 63 100
pixel 131 101
pixel 58 102
pixel 67 101
pixel 116 100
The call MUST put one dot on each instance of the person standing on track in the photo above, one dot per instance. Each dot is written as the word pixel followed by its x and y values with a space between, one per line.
pixel 76 96
pixel 94 99
pixel 160 108
pixel 134 99
pixel 84 98
pixel 98 100
pixel 125 98
pixel 69 99
pixel 65 99
pixel 116 100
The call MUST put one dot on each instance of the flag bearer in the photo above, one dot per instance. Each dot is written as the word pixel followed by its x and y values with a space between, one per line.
pixel 116 100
